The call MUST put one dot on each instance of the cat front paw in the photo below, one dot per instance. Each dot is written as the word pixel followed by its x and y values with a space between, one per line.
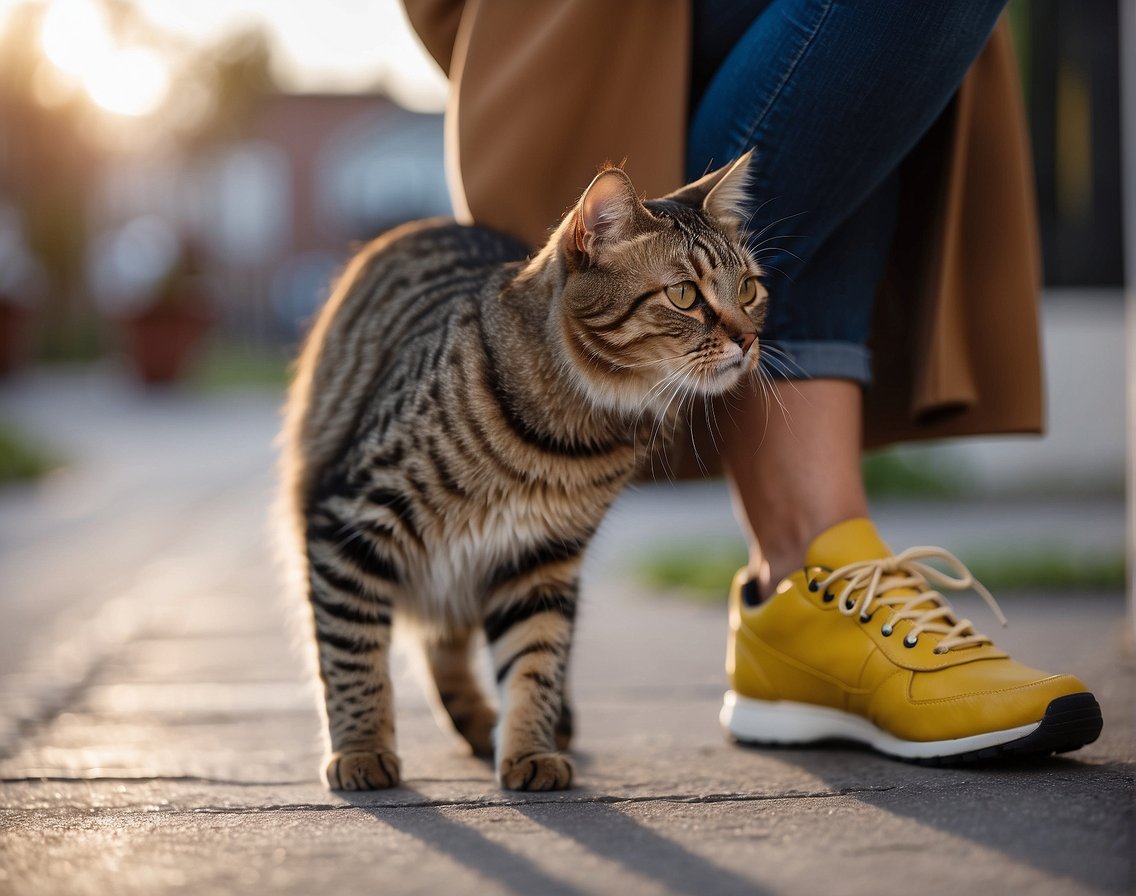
pixel 363 770
pixel 536 771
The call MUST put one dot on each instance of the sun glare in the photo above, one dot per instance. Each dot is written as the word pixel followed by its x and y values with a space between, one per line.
pixel 76 37
pixel 351 46
pixel 134 81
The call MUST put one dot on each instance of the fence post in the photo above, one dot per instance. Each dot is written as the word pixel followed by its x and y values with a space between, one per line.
pixel 1128 157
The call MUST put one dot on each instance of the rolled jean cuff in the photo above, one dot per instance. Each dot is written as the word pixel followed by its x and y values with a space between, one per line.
pixel 793 360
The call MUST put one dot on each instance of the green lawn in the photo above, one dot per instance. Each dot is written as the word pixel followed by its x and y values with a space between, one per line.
pixel 225 366
pixel 21 458
pixel 704 572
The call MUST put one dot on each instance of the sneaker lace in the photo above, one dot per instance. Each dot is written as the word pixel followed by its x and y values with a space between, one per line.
pixel 926 608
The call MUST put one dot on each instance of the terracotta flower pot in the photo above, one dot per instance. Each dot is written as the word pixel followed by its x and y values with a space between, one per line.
pixel 164 339
pixel 15 336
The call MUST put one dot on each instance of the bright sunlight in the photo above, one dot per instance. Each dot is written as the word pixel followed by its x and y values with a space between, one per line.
pixel 125 80
pixel 348 46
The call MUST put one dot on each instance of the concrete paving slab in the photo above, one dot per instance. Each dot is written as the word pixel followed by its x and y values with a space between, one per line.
pixel 949 831
pixel 162 734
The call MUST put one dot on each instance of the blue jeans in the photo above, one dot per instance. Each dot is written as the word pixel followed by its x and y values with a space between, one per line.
pixel 832 96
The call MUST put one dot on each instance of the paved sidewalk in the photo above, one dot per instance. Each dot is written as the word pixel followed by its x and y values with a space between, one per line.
pixel 158 733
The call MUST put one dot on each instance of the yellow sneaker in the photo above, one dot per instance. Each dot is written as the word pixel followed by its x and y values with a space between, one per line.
pixel 859 645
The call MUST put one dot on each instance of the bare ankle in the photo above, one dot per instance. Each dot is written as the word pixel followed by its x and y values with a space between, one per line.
pixel 772 562
pixel 797 473
pixel 780 549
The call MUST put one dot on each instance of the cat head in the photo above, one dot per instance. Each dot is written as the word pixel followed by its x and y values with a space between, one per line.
pixel 661 299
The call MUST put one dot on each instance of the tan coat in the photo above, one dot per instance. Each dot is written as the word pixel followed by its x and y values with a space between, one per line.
pixel 542 93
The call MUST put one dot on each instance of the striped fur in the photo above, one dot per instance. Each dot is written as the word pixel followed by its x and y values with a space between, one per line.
pixel 461 419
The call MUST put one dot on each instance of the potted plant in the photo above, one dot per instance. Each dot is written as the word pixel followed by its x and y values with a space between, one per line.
pixel 149 281
pixel 163 336
pixel 21 284
pixel 15 333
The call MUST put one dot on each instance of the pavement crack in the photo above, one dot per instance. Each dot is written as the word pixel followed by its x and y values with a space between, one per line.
pixel 550 800
pixel 141 779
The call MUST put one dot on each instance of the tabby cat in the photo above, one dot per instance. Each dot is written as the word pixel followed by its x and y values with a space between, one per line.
pixel 461 419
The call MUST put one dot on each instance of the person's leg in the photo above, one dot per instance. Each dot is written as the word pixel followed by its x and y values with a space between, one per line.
pixel 789 482
pixel 832 97
pixel 855 641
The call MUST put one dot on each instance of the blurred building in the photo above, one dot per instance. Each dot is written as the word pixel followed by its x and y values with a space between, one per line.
pixel 272 214
pixel 1070 60
pixel 271 201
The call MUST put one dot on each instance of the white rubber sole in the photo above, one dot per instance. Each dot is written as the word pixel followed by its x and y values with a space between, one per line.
pixel 785 722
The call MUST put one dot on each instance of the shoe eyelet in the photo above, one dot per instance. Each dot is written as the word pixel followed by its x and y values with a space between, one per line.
pixel 910 642
pixel 849 604
pixel 828 597
pixel 813 586
pixel 939 651
pixel 751 596
pixel 886 630
pixel 866 617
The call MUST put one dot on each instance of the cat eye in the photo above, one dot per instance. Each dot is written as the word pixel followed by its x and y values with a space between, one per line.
pixel 682 295
pixel 748 291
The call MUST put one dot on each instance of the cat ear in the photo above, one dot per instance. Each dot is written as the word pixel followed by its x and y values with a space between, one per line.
pixel 726 201
pixel 722 194
pixel 606 212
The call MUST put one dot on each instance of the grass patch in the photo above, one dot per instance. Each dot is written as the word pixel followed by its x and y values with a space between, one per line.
pixel 22 459
pixel 226 366
pixel 701 573
pixel 704 573
pixel 1041 569
pixel 888 474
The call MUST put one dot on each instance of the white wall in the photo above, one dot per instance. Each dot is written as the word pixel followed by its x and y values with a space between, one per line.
pixel 1084 447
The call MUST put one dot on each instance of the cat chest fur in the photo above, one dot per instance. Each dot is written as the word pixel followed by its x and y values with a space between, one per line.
pixel 482 552
pixel 463 487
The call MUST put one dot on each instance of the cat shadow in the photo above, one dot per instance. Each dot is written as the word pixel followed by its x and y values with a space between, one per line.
pixel 596 827
pixel 998 805
pixel 612 834
pixel 463 844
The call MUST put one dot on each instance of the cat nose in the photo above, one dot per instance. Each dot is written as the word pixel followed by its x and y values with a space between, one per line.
pixel 744 341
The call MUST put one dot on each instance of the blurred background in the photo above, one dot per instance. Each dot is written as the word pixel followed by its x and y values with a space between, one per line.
pixel 213 162
pixel 180 182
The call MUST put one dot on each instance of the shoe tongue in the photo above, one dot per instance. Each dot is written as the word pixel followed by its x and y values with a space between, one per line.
pixel 848 542
pixel 854 541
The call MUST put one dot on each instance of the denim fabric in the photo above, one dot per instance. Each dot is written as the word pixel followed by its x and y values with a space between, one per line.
pixel 832 95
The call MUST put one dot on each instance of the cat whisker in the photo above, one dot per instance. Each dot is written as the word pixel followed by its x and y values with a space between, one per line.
pixel 786 364
pixel 650 399
pixel 656 391
pixel 775 250
pixel 691 399
pixel 762 380
pixel 764 245
pixel 774 223
pixel 654 362
pixel 782 365
pixel 660 423
pixel 684 406
pixel 773 392
pixel 762 205
pixel 728 405
pixel 711 426
pixel 770 267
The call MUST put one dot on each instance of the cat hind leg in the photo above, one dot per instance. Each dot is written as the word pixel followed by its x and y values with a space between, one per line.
pixel 448 658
